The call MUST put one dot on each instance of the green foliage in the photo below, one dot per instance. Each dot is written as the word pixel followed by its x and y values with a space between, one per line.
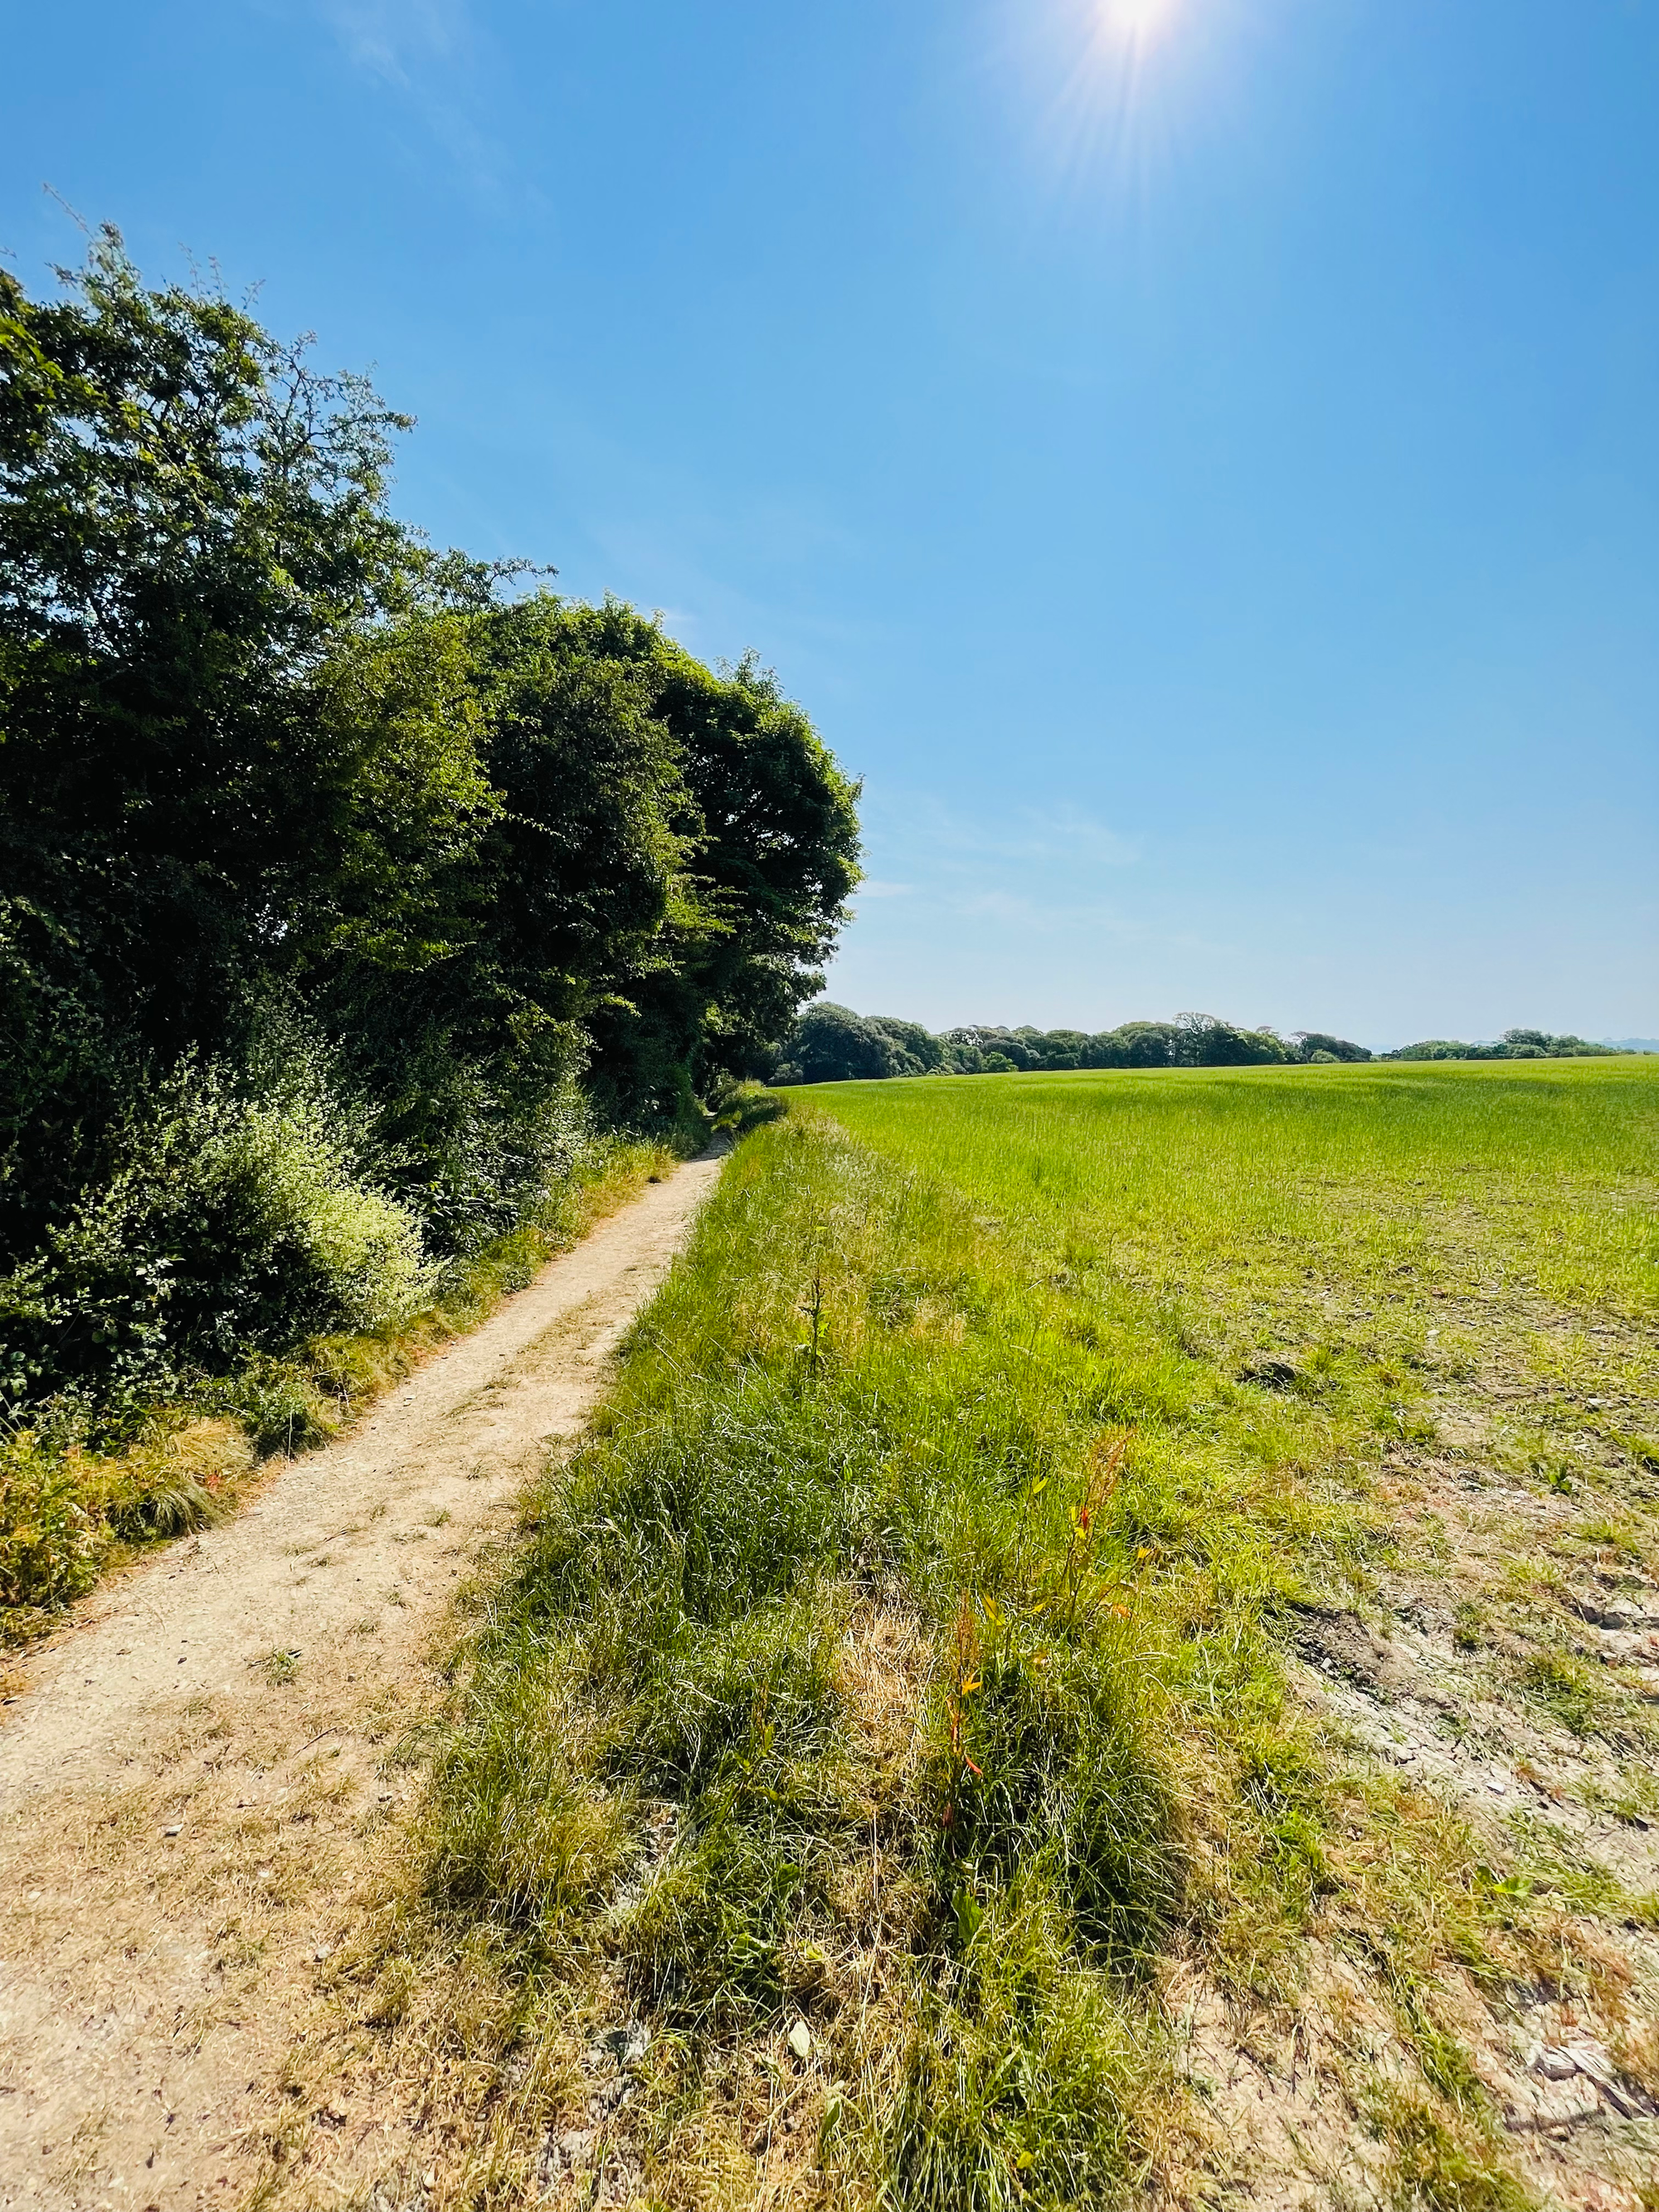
pixel 190 523
pixel 1316 1045
pixel 341 889
pixel 231 1224
pixel 924 1053
pixel 775 828
pixel 831 1044
pixel 52 1538
pixel 740 1107
pixel 1514 1044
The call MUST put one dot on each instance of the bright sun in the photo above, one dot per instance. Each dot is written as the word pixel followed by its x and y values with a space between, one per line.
pixel 1136 22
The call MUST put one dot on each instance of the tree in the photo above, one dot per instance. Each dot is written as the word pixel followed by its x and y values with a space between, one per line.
pixel 923 1053
pixel 1311 1043
pixel 266 759
pixel 768 830
pixel 832 1044
pixel 1136 1044
pixel 979 1049
pixel 1515 1044
pixel 1206 1041
pixel 193 546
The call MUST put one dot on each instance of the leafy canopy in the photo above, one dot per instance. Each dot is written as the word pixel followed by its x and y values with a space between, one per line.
pixel 272 769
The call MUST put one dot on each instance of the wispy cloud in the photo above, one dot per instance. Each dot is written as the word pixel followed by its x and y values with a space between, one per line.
pixel 434 57
pixel 1062 835
pixel 1036 915
pixel 1020 870
pixel 398 40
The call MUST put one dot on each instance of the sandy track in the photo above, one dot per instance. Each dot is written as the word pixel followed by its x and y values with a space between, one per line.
pixel 204 1766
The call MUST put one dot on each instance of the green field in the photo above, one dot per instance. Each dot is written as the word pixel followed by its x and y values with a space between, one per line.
pixel 1545 1171
pixel 1094 1593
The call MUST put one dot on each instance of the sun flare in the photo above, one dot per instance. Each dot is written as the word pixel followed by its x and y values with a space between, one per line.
pixel 1136 22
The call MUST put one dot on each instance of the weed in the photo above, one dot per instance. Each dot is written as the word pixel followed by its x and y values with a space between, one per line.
pixel 1565 1686
pixel 1441 2164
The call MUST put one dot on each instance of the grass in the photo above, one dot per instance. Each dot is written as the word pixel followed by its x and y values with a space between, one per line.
pixel 922 1650
pixel 69 1514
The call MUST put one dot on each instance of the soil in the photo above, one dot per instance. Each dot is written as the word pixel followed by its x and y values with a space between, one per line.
pixel 1565 2071
pixel 204 1767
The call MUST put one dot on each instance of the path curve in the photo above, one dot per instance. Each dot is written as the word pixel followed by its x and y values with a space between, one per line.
pixel 193 1776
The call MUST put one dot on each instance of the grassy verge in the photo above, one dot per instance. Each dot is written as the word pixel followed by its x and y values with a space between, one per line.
pixel 69 1514
pixel 908 1721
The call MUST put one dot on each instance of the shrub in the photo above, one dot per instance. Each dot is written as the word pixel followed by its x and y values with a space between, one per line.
pixel 64 1509
pixel 740 1107
pixel 229 1226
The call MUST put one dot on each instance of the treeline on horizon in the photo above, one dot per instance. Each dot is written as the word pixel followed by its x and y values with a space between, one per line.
pixel 346 887
pixel 830 1043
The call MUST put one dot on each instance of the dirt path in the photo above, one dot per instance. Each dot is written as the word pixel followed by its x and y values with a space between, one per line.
pixel 199 1773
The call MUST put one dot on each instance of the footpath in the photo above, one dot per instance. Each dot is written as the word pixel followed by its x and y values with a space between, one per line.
pixel 201 1770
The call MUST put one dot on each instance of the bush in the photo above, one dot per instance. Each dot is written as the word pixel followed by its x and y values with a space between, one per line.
pixel 740 1107
pixel 230 1226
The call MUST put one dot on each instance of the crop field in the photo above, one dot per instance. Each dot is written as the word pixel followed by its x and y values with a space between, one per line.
pixel 1102 1649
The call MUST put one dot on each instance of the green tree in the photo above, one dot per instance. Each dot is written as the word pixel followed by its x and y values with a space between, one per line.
pixel 1310 1043
pixel 1206 1041
pixel 279 785
pixel 193 540
pixel 924 1053
pixel 832 1044
pixel 773 826
pixel 1135 1044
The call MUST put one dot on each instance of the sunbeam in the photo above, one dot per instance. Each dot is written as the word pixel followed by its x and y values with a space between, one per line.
pixel 1111 88
pixel 1136 22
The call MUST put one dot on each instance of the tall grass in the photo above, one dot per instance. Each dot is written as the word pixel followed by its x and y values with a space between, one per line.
pixel 903 1653
pixel 844 1406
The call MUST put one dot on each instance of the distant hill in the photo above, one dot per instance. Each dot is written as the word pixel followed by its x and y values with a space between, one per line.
pixel 1632 1044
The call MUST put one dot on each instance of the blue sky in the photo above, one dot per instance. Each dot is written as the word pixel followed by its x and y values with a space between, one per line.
pixel 1202 472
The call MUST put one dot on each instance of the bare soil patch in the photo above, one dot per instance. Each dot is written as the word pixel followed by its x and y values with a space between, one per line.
pixel 1435 1678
